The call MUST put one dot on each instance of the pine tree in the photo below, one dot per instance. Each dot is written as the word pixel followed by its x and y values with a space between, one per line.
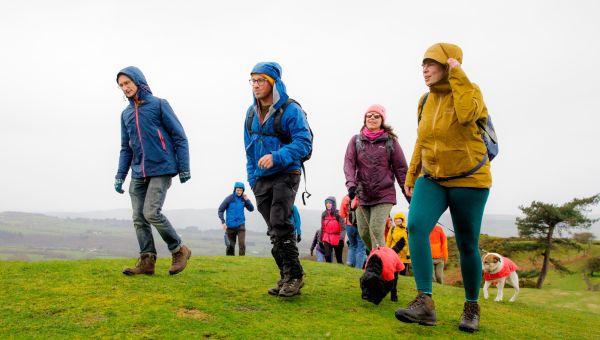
pixel 543 220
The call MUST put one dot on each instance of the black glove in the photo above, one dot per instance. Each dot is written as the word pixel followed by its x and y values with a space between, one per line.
pixel 399 245
pixel 352 192
pixel 298 238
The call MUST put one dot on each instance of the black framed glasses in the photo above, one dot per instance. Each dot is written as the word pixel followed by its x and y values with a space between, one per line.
pixel 260 81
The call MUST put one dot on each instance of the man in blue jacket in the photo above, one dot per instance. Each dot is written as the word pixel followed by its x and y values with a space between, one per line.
pixel 154 146
pixel 273 167
pixel 234 220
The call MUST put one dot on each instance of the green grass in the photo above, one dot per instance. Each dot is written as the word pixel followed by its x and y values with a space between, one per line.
pixel 225 297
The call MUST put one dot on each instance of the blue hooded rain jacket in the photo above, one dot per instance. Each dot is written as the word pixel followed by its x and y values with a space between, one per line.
pixel 234 205
pixel 153 142
pixel 262 141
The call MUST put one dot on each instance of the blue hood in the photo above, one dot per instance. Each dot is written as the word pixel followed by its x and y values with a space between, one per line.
pixel 138 79
pixel 238 185
pixel 273 70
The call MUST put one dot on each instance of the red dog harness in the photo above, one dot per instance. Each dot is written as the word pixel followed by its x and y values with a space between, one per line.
pixel 390 260
pixel 508 267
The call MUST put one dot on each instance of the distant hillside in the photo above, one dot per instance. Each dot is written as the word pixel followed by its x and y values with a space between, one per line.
pixel 225 298
pixel 493 224
pixel 30 237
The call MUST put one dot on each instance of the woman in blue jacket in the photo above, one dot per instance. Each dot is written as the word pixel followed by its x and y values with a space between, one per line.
pixel 234 220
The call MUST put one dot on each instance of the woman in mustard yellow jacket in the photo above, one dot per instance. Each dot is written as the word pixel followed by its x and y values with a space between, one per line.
pixel 449 169
pixel 397 239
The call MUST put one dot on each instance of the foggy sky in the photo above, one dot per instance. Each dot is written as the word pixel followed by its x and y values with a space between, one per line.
pixel 535 61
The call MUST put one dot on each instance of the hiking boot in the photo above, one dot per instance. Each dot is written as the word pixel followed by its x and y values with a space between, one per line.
pixel 144 265
pixel 291 288
pixel 180 260
pixel 275 290
pixel 469 321
pixel 420 310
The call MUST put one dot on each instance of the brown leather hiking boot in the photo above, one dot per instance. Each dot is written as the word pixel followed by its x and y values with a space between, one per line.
pixel 291 288
pixel 144 265
pixel 420 310
pixel 180 260
pixel 469 321
pixel 275 290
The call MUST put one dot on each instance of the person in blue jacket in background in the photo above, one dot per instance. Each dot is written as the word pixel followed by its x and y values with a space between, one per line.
pixel 273 167
pixel 297 222
pixel 234 222
pixel 155 147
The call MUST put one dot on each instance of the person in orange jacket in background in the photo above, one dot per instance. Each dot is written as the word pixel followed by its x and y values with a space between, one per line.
pixel 439 252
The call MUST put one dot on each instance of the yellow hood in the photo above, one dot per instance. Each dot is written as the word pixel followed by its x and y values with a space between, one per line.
pixel 440 52
pixel 401 215
pixel 449 140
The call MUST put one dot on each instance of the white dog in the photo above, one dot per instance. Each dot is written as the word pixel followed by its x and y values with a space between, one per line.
pixel 497 269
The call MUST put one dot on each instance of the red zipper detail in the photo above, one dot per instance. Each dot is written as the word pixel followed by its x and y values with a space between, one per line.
pixel 162 140
pixel 137 124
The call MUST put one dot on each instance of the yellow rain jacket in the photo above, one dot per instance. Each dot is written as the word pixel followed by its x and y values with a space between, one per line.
pixel 449 142
pixel 395 234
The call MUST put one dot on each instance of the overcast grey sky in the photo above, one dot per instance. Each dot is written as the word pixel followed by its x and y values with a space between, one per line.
pixel 535 61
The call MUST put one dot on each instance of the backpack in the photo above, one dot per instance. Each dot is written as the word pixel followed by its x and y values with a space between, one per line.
pixel 389 146
pixel 283 137
pixel 488 134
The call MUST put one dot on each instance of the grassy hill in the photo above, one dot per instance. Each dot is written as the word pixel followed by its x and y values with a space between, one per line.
pixel 225 297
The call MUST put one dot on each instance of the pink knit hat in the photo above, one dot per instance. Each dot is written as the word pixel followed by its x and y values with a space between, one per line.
pixel 377 109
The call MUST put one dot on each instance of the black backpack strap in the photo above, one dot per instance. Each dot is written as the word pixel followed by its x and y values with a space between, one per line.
pixel 358 144
pixel 389 146
pixel 283 137
pixel 422 106
pixel 249 120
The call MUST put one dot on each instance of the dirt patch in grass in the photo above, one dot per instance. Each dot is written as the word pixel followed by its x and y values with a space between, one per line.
pixel 193 314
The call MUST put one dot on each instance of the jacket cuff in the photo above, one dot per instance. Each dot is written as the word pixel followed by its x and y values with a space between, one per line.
pixel 276 158
pixel 410 180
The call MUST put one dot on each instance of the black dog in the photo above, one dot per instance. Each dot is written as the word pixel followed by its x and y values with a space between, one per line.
pixel 372 283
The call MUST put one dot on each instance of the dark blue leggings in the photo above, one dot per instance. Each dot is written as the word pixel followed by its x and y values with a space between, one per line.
pixel 428 203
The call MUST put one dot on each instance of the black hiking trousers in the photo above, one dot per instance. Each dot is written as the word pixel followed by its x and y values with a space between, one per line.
pixel 275 195
pixel 232 234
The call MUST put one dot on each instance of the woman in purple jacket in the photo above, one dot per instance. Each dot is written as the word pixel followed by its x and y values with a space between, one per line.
pixel 373 159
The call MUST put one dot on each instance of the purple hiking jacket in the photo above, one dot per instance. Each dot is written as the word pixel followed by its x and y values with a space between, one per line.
pixel 371 172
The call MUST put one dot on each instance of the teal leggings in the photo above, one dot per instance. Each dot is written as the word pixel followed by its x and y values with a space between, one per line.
pixel 428 203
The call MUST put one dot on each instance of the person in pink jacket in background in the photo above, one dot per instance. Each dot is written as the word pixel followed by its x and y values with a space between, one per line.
pixel 332 228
